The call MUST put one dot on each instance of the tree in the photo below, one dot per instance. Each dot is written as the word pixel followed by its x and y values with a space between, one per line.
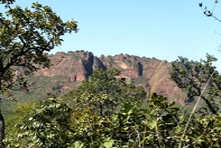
pixel 199 79
pixel 104 92
pixel 85 120
pixel 44 123
pixel 55 122
pixel 94 103
pixel 25 37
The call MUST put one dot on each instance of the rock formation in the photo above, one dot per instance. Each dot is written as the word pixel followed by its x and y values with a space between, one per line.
pixel 150 73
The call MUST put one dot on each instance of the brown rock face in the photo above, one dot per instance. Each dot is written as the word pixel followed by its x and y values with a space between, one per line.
pixel 76 65
pixel 79 65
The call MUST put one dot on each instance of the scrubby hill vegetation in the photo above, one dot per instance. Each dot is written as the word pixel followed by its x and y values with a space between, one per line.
pixel 104 111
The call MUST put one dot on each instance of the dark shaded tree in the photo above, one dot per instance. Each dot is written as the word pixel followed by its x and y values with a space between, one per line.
pixel 25 37
pixel 199 79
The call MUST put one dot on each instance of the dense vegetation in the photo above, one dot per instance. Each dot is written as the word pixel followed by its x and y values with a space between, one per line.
pixel 104 111
pixel 25 37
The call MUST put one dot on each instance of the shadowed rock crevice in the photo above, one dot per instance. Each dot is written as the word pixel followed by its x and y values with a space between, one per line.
pixel 139 69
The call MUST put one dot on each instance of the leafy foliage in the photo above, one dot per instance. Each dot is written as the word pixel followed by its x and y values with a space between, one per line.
pixel 103 92
pixel 25 36
pixel 199 79
pixel 46 125
pixel 142 121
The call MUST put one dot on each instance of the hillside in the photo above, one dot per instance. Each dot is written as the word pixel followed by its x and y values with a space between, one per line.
pixel 69 69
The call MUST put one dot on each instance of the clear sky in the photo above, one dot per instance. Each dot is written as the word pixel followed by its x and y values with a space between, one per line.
pixel 151 28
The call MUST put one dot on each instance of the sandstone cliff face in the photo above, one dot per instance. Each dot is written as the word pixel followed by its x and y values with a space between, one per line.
pixel 76 65
pixel 79 65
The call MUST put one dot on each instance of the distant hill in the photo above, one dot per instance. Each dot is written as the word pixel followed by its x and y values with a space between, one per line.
pixel 69 69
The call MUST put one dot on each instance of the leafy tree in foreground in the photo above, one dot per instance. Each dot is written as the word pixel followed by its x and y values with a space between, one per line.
pixel 55 122
pixel 199 79
pixel 25 36
pixel 104 92
pixel 44 124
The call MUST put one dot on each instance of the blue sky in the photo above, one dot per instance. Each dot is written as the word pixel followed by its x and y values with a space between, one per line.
pixel 151 28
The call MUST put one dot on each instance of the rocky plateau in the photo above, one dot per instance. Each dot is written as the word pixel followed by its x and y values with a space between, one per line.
pixel 73 67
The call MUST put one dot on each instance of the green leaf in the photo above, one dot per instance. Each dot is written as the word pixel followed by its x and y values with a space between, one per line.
pixel 108 143
pixel 78 144
pixel 152 124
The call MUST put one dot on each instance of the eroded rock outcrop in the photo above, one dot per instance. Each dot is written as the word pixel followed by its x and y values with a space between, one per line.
pixel 150 73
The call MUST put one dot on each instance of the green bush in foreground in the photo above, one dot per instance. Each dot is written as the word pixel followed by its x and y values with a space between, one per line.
pixel 142 122
pixel 52 123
